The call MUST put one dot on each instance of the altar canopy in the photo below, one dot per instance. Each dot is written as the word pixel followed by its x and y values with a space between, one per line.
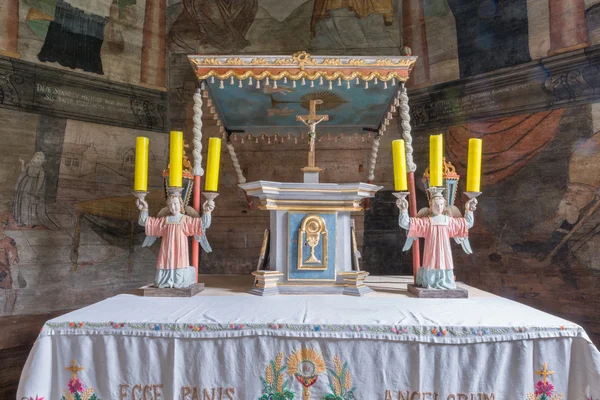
pixel 387 346
pixel 356 92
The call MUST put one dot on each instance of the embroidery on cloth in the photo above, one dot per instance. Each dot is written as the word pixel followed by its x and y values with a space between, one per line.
pixel 544 389
pixel 402 332
pixel 274 382
pixel 306 365
pixel 76 388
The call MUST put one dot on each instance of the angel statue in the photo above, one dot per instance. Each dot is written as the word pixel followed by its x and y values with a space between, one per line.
pixel 174 224
pixel 437 224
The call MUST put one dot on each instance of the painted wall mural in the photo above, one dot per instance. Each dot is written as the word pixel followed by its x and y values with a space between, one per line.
pixel 51 166
pixel 104 37
pixel 241 26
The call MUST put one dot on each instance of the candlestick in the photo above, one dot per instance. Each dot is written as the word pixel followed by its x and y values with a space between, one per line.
pixel 474 166
pixel 176 159
pixel 213 163
pixel 401 195
pixel 140 182
pixel 399 158
pixel 436 154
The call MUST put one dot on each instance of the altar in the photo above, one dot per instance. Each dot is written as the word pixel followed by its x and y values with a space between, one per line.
pixel 226 344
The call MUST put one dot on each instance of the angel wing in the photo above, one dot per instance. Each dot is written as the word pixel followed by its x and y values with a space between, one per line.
pixel 453 211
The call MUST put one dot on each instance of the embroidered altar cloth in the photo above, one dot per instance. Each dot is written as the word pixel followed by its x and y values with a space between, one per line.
pixel 326 347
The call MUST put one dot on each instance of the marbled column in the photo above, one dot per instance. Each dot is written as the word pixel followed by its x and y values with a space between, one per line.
pixel 154 49
pixel 568 29
pixel 414 36
pixel 9 28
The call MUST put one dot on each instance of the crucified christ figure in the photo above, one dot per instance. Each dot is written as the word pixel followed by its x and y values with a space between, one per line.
pixel 311 120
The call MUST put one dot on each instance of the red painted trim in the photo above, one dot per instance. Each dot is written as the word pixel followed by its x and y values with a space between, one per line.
pixel 196 205
pixel 412 197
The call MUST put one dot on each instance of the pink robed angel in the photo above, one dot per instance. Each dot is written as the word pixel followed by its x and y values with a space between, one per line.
pixel 437 228
pixel 173 268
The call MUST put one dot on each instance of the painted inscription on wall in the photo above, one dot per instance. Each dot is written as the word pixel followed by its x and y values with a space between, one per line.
pixel 70 95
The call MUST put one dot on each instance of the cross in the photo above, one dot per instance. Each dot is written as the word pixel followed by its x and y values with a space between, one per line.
pixel 74 369
pixel 544 373
pixel 311 120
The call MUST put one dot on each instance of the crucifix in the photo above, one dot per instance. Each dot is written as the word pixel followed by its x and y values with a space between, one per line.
pixel 74 368
pixel 311 120
pixel 544 373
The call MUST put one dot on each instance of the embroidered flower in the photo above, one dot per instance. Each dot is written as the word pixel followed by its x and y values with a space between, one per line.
pixel 562 328
pixel 75 385
pixel 231 326
pixel 444 332
pixel 393 329
pixel 434 331
pixel 317 328
pixel 157 327
pixel 36 398
pixel 275 326
pixel 545 388
pixel 196 329
pixel 71 324
pixel 403 330
pixel 241 326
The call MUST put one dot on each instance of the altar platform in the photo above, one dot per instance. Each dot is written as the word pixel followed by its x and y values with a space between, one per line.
pixel 228 344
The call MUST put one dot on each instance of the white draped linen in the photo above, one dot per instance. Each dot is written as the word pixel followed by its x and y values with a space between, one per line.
pixel 325 347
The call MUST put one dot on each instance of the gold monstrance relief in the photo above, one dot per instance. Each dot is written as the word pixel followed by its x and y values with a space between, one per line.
pixel 312 232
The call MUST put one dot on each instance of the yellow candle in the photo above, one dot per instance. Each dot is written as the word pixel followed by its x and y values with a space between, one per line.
pixel 176 159
pixel 213 163
pixel 399 157
pixel 140 183
pixel 436 154
pixel 474 166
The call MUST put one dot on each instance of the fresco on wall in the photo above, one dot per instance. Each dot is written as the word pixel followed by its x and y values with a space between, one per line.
pixel 42 265
pixel 241 26
pixel 101 37
pixel 540 189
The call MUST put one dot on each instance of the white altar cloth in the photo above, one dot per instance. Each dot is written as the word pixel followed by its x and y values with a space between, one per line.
pixel 333 347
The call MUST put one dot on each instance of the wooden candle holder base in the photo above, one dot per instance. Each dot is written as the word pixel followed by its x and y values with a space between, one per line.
pixel 153 291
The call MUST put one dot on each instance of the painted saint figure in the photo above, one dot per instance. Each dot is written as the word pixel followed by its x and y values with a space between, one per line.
pixel 29 203
pixel 174 226
pixel 10 275
pixel 437 228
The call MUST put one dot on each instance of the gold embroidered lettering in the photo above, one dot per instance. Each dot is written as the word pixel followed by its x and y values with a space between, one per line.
pixel 490 397
pixel 451 397
pixel 123 395
pixel 133 392
pixel 401 395
pixel 415 394
pixel 147 388
pixel 463 396
pixel 425 394
pixel 229 392
pixel 436 395
pixel 185 391
pixel 208 396
pixel 196 395
pixel 388 395
pixel 157 393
